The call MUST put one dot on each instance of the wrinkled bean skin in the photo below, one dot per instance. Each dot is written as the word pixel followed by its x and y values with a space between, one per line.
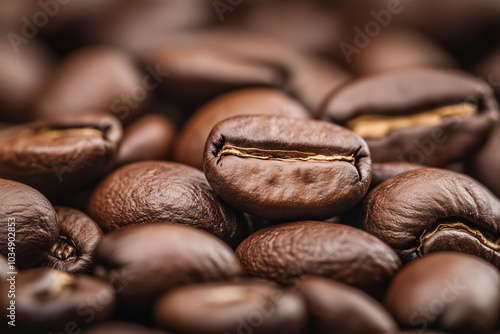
pixel 33 222
pixel 276 168
pixel 251 101
pixel 163 192
pixel 143 261
pixel 47 300
pixel 427 209
pixel 464 290
pixel 427 137
pixel 79 235
pixel 59 155
pixel 223 307
pixel 342 253
pixel 329 302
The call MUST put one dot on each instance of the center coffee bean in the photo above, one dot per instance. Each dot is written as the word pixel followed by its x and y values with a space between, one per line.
pixel 277 168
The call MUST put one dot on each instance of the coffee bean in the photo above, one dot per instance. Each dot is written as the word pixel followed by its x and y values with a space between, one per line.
pixel 121 328
pixel 342 253
pixel 250 101
pixel 427 210
pixel 4 268
pixel 59 155
pixel 453 292
pixel 251 305
pixel 73 252
pixel 275 167
pixel 330 302
pixel 95 79
pixel 28 222
pixel 164 192
pixel 148 138
pixel 49 300
pixel 143 261
pixel 424 116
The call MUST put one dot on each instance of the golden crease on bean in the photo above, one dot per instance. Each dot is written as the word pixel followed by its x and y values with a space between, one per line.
pixel 282 155
pixel 461 227
pixel 61 284
pixel 63 250
pixel 379 126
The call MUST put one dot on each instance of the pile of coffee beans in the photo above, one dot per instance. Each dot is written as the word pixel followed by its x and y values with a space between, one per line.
pixel 249 167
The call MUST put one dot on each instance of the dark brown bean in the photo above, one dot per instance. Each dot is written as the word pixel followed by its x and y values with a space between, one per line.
pixel 29 224
pixel 453 292
pixel 62 154
pixel 164 192
pixel 330 302
pixel 427 210
pixel 143 261
pixel 282 168
pixel 49 300
pixel 251 305
pixel 342 253
pixel 425 116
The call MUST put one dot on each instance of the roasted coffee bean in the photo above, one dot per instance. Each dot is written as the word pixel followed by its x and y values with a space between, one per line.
pixel 96 79
pixel 197 74
pixel 48 300
pixel 342 253
pixel 164 192
pixel 330 302
pixel 277 167
pixel 121 328
pixel 453 292
pixel 73 252
pixel 252 305
pixel 428 210
pixel 59 155
pixel 485 164
pixel 29 225
pixel 148 138
pixel 250 101
pixel 425 116
pixel 385 170
pixel 143 261
pixel 398 48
